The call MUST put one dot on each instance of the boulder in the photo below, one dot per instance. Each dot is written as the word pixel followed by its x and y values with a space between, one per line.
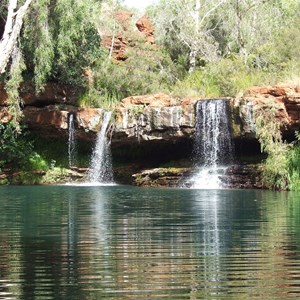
pixel 5 117
pixel 49 118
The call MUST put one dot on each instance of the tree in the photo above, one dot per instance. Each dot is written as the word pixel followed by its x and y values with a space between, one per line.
pixel 249 24
pixel 191 23
pixel 58 41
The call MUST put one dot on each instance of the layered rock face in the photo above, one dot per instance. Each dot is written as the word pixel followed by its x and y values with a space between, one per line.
pixel 283 98
pixel 152 118
pixel 53 93
pixel 53 120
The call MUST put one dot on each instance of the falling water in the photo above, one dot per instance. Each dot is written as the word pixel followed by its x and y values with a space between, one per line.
pixel 100 170
pixel 212 146
pixel 71 140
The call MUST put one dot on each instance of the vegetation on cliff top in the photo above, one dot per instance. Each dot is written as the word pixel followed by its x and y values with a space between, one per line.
pixel 204 47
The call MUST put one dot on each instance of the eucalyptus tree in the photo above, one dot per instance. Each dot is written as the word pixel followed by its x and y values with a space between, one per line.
pixel 189 24
pixel 250 24
pixel 50 39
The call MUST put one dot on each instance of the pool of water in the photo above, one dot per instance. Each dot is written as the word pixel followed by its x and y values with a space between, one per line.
pixel 119 242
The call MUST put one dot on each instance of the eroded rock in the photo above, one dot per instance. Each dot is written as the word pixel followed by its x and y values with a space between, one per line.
pixel 154 117
pixel 160 177
pixel 52 120
pixel 144 26
pixel 120 41
pixel 53 93
pixel 244 176
pixel 283 98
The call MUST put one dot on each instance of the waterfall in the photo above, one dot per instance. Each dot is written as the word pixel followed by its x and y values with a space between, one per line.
pixel 100 170
pixel 71 140
pixel 213 147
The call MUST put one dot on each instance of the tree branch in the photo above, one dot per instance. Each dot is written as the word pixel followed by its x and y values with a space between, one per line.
pixel 12 31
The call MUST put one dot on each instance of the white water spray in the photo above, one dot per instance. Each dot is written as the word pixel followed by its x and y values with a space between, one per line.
pixel 213 148
pixel 100 170
pixel 71 141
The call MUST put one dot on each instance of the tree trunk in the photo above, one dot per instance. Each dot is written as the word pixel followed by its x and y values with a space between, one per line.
pixel 192 60
pixel 12 31
pixel 194 52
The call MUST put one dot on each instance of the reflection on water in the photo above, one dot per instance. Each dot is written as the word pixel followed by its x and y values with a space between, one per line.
pixel 129 243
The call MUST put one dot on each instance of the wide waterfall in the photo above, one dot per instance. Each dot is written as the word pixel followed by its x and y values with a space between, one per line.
pixel 213 148
pixel 100 170
pixel 71 141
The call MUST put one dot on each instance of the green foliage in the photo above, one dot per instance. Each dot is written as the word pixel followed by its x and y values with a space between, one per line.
pixel 54 176
pixel 112 81
pixel 37 163
pixel 44 46
pixel 246 54
pixel 226 77
pixel 55 153
pixel 15 148
pixel 60 40
pixel 12 86
pixel 199 83
pixel 282 166
pixel 294 165
pixel 276 173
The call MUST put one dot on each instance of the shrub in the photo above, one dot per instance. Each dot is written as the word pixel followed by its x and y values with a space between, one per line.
pixel 37 163
pixel 227 77
pixel 294 165
pixel 276 175
pixel 15 147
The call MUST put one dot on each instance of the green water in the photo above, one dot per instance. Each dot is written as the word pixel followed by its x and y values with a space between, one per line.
pixel 128 243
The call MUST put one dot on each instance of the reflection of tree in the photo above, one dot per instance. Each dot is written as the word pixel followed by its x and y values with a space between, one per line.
pixel 41 244
pixel 43 255
pixel 277 263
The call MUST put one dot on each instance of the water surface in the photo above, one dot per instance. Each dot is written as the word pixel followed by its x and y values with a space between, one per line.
pixel 122 242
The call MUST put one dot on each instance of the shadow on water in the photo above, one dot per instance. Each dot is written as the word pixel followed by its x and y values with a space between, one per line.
pixel 128 243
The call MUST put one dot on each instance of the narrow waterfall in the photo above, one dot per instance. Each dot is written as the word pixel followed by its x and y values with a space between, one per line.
pixel 213 148
pixel 100 170
pixel 71 141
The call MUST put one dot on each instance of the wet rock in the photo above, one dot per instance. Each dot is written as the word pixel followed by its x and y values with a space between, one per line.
pixel 160 177
pixel 243 176
pixel 153 118
pixel 236 176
